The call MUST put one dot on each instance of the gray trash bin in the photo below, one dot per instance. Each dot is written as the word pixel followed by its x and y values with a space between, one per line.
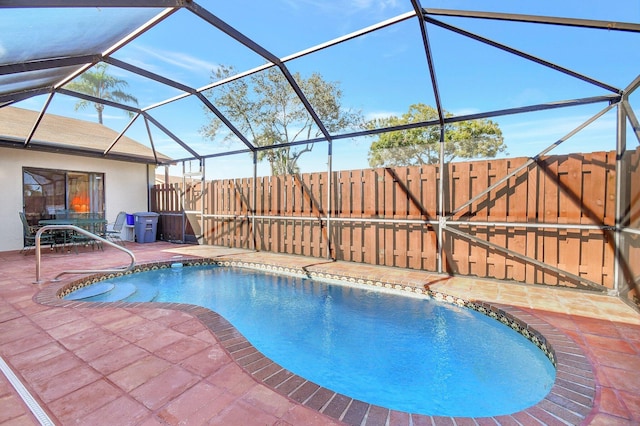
pixel 146 226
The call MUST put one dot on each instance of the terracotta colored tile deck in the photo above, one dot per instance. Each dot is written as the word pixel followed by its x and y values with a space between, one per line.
pixel 131 364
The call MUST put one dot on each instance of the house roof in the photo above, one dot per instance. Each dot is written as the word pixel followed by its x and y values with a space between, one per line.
pixel 64 134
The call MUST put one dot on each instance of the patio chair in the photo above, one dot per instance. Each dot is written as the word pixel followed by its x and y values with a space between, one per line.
pixel 78 239
pixel 91 222
pixel 29 234
pixel 113 231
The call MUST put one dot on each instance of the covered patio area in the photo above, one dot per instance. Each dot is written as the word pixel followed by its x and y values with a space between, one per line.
pixel 160 364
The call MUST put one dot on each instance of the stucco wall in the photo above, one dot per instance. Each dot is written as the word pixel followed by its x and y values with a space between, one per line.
pixel 126 186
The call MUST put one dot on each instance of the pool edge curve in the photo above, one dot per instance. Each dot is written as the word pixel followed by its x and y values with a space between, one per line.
pixel 564 404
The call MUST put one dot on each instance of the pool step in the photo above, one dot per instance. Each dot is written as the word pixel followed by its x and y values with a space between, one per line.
pixel 109 292
pixel 143 294
pixel 90 291
pixel 116 294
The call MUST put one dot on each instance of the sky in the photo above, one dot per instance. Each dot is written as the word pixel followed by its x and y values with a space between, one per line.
pixel 379 74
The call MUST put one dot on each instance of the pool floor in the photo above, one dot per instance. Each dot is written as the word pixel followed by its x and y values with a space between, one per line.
pixel 164 365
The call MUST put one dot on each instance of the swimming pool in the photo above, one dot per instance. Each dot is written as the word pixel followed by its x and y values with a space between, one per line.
pixel 402 353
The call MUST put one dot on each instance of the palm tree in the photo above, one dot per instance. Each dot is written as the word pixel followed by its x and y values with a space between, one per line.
pixel 101 85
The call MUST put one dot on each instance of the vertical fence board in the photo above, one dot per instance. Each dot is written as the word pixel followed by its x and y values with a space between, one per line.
pixel 322 197
pixel 488 212
pixel 429 190
pixel 517 198
pixel 610 210
pixel 289 204
pixel 457 248
pixel 478 181
pixel 518 192
pixel 257 201
pixel 356 189
pixel 478 177
pixel 370 193
pixel 389 200
pixel 531 212
pixel 416 206
pixel 550 237
pixel 569 189
pixel 398 183
pixel 497 212
pixel 631 247
pixel 594 180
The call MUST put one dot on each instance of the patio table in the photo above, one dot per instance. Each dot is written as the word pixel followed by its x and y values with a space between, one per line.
pixel 90 224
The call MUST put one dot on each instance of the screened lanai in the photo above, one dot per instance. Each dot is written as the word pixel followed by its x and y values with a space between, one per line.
pixel 499 143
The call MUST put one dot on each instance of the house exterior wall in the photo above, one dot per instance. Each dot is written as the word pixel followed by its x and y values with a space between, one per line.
pixel 126 186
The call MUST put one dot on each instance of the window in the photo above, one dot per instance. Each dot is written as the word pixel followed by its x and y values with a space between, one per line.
pixel 48 194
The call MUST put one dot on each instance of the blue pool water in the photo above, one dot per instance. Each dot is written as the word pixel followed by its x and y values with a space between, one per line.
pixel 404 353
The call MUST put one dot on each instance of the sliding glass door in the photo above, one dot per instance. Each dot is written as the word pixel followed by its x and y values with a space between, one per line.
pixel 48 194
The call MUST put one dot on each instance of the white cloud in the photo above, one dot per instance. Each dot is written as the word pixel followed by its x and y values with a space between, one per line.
pixel 374 4
pixel 529 137
pixel 465 111
pixel 345 7
pixel 177 59
pixel 556 127
pixel 373 115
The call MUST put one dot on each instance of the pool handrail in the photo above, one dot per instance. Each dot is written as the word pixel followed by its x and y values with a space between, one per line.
pixel 80 271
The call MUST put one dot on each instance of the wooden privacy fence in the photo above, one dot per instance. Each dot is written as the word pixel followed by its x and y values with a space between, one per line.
pixel 546 224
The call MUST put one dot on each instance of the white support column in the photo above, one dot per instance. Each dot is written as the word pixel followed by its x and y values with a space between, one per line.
pixel 329 199
pixel 621 147
pixel 203 182
pixel 441 213
pixel 255 200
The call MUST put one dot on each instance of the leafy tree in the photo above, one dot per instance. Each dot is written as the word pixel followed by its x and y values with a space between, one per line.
pixel 269 113
pixel 463 139
pixel 101 85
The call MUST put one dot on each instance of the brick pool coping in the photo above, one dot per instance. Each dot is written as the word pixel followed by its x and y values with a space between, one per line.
pixel 569 401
